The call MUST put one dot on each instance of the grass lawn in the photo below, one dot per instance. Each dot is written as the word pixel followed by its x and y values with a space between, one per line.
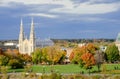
pixel 70 68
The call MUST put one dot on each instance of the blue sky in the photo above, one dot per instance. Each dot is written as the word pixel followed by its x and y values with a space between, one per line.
pixel 61 18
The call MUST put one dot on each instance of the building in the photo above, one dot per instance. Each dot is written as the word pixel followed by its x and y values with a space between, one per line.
pixel 117 42
pixel 43 43
pixel 8 44
pixel 26 46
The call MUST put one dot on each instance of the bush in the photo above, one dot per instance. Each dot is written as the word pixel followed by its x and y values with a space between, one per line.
pixel 96 77
pixel 3 69
pixel 15 64
pixel 51 76
pixel 55 76
pixel 116 77
pixel 4 60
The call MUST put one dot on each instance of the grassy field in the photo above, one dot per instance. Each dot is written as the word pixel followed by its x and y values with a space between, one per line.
pixel 70 68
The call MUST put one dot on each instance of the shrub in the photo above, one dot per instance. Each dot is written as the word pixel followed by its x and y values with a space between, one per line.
pixel 15 63
pixel 116 77
pixel 3 69
pixel 55 76
pixel 3 60
pixel 96 77
pixel 50 76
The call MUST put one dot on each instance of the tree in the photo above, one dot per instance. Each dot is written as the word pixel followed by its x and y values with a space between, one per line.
pixel 37 56
pixel 76 54
pixel 71 56
pixel 88 61
pixel 55 54
pixel 99 58
pixel 3 60
pixel 1 51
pixel 91 48
pixel 26 57
pixel 112 53
pixel 15 63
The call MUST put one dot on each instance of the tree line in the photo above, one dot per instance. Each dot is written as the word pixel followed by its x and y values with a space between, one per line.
pixel 85 56
pixel 90 55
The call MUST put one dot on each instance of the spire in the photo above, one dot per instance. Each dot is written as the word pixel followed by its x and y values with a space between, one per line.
pixel 21 35
pixel 32 29
pixel 21 22
pixel 32 37
pixel 32 23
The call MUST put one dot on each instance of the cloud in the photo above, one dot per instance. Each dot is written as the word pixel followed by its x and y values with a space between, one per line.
pixel 77 7
pixel 42 14
pixel 88 8
pixel 27 2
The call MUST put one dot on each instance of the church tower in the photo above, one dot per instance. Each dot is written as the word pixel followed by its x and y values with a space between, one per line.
pixel 32 37
pixel 27 46
pixel 21 37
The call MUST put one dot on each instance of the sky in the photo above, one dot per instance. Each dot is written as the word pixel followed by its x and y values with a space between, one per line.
pixel 61 19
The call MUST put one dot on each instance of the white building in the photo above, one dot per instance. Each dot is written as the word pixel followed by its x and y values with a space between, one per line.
pixel 26 46
pixel 117 42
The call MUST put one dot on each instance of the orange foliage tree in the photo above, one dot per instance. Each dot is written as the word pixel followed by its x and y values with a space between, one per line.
pixel 1 51
pixel 91 48
pixel 75 56
pixel 88 60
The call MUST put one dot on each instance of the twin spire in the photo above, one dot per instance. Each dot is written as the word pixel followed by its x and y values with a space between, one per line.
pixel 26 46
pixel 31 31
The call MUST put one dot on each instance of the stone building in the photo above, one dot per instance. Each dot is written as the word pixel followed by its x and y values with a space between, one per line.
pixel 26 46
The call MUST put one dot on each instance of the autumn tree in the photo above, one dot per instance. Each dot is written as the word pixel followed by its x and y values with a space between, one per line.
pixel 71 56
pixel 16 59
pixel 88 61
pixel 112 53
pixel 55 54
pixel 26 58
pixel 75 56
pixel 91 48
pixel 1 51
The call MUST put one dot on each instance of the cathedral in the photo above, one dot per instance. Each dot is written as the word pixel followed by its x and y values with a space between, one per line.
pixel 26 46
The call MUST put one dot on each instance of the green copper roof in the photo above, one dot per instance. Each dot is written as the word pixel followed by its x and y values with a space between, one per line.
pixel 118 37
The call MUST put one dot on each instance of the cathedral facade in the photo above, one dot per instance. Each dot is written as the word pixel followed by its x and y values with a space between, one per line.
pixel 26 46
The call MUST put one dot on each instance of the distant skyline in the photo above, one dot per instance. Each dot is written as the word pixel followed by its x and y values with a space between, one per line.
pixel 61 19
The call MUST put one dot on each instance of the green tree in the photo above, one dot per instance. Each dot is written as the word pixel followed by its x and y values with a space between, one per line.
pixel 15 63
pixel 37 56
pixel 112 53
pixel 4 60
